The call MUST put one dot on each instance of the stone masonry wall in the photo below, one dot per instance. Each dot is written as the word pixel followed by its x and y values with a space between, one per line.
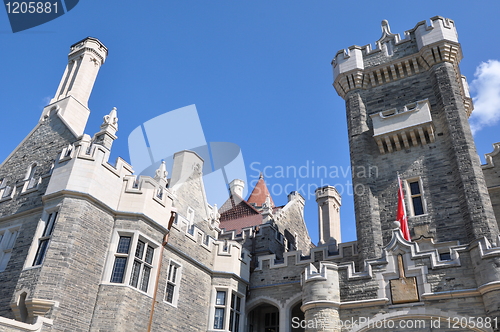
pixel 9 277
pixel 42 147
pixel 67 275
pixel 191 312
pixel 292 220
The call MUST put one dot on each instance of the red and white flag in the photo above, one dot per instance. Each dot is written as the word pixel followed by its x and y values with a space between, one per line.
pixel 401 215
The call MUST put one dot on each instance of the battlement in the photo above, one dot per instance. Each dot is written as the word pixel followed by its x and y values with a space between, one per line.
pixel 328 191
pixel 489 157
pixel 422 261
pixel 440 29
pixel 295 258
pixel 229 256
pixel 393 58
pixel 89 44
pixel 83 168
pixel 252 231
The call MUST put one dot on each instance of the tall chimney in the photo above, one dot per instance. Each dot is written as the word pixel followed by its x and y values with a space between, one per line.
pixel 328 199
pixel 71 99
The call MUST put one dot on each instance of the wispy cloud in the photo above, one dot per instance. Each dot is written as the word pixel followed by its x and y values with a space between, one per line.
pixel 485 89
pixel 46 100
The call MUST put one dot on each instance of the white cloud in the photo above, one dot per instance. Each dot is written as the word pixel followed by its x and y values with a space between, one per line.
pixel 486 90
pixel 46 100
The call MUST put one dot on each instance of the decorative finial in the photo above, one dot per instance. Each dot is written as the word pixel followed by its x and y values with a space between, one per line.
pixel 261 176
pixel 215 215
pixel 267 209
pixel 111 119
pixel 109 127
pixel 267 203
pixel 386 29
pixel 161 172
pixel 110 122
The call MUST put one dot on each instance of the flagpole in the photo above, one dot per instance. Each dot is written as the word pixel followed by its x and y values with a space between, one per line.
pixel 401 211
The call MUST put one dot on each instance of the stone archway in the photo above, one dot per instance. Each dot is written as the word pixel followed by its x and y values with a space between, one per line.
pixel 264 318
pixel 296 317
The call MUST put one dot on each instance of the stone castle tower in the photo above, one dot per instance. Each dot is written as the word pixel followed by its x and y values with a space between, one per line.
pixel 86 245
pixel 407 112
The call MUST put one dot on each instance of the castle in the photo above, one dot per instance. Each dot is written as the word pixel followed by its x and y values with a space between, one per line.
pixel 86 245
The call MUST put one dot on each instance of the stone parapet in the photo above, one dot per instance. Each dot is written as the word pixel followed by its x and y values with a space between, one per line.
pixel 393 58
pixel 83 168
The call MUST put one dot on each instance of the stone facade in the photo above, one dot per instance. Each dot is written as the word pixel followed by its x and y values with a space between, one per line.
pixel 86 245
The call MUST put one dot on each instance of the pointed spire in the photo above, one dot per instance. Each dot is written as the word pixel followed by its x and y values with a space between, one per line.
pixel 260 194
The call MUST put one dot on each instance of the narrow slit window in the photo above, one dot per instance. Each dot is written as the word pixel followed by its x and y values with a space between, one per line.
pixel 43 241
pixel 220 310
pixel 416 197
pixel 173 281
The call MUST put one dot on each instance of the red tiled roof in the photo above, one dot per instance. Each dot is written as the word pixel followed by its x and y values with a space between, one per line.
pixel 240 223
pixel 260 193
pixel 236 213
pixel 236 207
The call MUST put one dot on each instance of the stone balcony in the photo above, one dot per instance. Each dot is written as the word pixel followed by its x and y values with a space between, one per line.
pixel 397 129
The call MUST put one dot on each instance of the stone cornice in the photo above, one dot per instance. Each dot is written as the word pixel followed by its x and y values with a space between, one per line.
pixel 491 286
pixel 459 293
pixel 319 304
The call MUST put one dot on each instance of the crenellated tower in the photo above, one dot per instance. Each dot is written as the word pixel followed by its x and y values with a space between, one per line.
pixel 407 111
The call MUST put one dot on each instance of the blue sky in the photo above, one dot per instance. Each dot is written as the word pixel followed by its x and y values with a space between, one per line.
pixel 258 71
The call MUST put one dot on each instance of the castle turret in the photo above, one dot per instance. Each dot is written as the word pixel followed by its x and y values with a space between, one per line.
pixel 71 98
pixel 407 111
pixel 236 187
pixel 321 297
pixel 328 199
